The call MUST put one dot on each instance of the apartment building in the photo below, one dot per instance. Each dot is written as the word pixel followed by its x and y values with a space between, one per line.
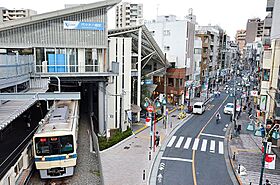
pixel 240 39
pixel 176 39
pixel 254 29
pixel 12 14
pixel 129 14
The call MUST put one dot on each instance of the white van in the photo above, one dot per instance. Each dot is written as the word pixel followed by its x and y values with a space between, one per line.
pixel 198 108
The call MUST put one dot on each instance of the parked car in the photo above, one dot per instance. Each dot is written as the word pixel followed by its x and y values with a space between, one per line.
pixel 228 109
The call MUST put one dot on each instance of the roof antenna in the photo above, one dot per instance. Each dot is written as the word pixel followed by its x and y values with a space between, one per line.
pixel 157 9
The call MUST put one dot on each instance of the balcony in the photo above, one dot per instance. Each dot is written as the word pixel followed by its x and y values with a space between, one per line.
pixel 269 5
pixel 267 22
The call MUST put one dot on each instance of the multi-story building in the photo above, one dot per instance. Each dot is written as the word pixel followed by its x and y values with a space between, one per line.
pixel 12 14
pixel 176 39
pixel 254 29
pixel 267 25
pixel 240 39
pixel 210 53
pixel 129 14
pixel 270 78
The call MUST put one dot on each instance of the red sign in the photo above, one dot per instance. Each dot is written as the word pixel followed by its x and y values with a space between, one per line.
pixel 150 108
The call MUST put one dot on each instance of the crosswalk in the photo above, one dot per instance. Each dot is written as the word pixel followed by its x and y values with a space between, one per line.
pixel 204 145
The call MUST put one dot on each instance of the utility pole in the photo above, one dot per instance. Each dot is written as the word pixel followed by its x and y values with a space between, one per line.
pixel 234 97
pixel 165 94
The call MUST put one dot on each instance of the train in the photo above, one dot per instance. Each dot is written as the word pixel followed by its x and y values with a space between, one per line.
pixel 55 141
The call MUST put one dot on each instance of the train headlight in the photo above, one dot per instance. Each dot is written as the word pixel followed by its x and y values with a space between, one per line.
pixel 67 156
pixel 43 158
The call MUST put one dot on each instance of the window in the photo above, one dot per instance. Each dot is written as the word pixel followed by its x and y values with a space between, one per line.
pixel 54 145
pixel 266 74
pixel 166 33
pixel 170 82
pixel 166 48
pixel 197 51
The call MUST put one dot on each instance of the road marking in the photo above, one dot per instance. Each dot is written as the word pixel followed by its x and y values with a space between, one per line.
pixel 195 144
pixel 176 159
pixel 221 147
pixel 212 135
pixel 204 145
pixel 188 142
pixel 179 142
pixel 212 146
pixel 171 141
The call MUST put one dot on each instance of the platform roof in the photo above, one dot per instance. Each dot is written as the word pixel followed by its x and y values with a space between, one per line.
pixel 150 50
pixel 58 13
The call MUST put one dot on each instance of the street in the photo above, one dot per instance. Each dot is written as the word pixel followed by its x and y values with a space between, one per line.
pixel 195 153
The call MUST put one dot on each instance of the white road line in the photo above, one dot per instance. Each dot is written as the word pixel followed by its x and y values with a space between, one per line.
pixel 212 146
pixel 212 135
pixel 221 147
pixel 188 142
pixel 176 159
pixel 204 145
pixel 195 144
pixel 171 141
pixel 179 142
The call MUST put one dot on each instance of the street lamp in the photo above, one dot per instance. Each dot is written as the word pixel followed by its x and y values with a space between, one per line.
pixel 261 132
pixel 151 108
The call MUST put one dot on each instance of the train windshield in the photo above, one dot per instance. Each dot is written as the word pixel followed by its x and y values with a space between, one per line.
pixel 54 145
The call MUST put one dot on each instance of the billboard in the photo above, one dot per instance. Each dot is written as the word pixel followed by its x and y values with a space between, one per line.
pixel 77 25
pixel 263 102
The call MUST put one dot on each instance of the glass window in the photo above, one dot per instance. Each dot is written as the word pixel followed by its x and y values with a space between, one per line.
pixel 54 145
pixel 197 51
pixel 197 106
pixel 266 74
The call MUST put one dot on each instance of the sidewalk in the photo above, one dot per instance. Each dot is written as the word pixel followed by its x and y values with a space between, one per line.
pixel 128 162
pixel 247 149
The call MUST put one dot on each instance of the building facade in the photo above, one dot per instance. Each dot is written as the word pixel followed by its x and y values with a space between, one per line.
pixel 13 14
pixel 129 14
pixel 240 39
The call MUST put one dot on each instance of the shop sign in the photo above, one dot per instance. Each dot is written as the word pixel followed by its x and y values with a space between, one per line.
pixel 263 102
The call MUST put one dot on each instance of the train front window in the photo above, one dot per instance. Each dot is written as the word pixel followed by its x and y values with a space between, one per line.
pixel 54 145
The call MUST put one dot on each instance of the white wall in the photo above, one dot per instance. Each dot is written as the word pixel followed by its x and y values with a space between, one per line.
pixel 176 40
pixel 197 58
pixel 120 85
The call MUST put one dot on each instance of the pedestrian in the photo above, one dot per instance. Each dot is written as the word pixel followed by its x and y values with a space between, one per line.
pixel 238 130
pixel 267 182
pixel 157 139
pixel 219 93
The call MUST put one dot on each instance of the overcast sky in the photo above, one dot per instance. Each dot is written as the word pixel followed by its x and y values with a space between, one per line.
pixel 229 14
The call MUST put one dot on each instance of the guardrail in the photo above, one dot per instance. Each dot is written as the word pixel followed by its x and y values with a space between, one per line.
pixel 96 149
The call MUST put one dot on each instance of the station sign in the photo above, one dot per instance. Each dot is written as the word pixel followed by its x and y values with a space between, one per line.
pixel 77 25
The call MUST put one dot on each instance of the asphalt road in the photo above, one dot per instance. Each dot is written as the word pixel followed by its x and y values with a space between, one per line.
pixel 195 153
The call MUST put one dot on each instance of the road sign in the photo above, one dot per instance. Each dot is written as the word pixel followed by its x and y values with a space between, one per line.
pixel 148 121
pixel 270 161
pixel 159 177
pixel 150 108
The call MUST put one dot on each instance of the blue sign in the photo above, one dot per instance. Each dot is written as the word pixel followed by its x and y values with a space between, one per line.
pixel 148 82
pixel 77 25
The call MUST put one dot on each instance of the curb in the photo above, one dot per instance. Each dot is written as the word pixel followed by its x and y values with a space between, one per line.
pixel 228 158
pixel 162 148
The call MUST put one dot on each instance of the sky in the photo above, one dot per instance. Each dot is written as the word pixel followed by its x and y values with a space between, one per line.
pixel 230 15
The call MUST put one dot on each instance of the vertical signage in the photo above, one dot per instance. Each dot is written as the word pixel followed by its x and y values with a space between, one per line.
pixel 263 102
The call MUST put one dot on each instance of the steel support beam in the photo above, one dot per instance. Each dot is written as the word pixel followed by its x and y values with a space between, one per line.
pixel 41 96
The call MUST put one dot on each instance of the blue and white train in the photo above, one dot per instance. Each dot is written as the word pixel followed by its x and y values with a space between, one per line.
pixel 55 141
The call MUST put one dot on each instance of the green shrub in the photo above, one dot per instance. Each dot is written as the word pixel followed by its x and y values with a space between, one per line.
pixel 117 137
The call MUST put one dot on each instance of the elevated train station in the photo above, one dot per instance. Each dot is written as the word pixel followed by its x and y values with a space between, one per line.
pixel 71 54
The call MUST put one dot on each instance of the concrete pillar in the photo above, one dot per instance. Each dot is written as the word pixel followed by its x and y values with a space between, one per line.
pixel 101 107
pixel 81 60
pixel 139 72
